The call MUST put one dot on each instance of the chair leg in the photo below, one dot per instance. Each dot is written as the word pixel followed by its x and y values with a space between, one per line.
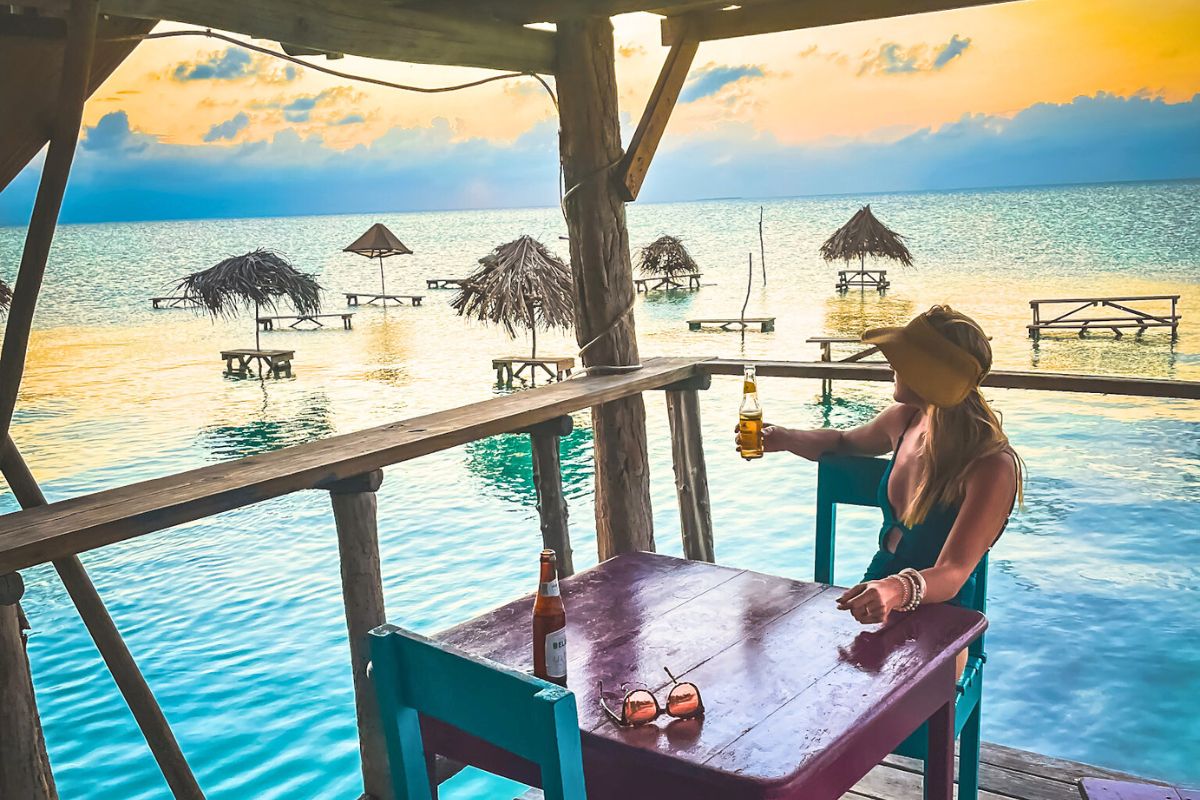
pixel 968 754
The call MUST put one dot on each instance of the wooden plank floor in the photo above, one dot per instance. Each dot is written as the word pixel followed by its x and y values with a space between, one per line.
pixel 1005 774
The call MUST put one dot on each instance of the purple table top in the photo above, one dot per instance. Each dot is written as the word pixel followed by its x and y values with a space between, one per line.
pixel 1102 789
pixel 801 700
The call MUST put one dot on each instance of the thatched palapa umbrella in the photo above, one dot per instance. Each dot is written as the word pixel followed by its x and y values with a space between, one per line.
pixel 863 236
pixel 261 277
pixel 379 242
pixel 519 284
pixel 5 296
pixel 666 256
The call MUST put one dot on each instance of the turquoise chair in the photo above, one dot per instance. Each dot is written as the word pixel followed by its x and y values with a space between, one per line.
pixel 525 715
pixel 854 480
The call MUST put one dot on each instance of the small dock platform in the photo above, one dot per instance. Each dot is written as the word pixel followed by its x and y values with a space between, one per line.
pixel 268 323
pixel 174 302
pixel 444 283
pixel 275 362
pixel 1122 315
pixel 862 279
pixel 766 324
pixel 1004 774
pixel 520 367
pixel 668 282
pixel 357 298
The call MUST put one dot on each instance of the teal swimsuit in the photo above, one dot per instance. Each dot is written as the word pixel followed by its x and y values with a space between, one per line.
pixel 920 545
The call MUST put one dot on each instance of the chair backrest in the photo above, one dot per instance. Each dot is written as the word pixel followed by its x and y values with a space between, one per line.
pixel 854 480
pixel 525 715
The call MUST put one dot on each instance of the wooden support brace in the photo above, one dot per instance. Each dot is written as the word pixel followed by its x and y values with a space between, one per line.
pixel 691 474
pixel 355 514
pixel 547 481
pixel 632 171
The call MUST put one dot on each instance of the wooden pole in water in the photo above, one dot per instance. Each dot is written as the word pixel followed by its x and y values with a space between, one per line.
pixel 355 512
pixel 544 442
pixel 129 679
pixel 590 147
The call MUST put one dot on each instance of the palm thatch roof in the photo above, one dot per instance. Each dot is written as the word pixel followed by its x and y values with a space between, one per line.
pixel 519 284
pixel 666 255
pixel 863 236
pixel 378 242
pixel 261 278
pixel 5 296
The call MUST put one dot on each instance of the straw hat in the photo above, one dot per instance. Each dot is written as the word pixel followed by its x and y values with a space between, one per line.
pixel 934 367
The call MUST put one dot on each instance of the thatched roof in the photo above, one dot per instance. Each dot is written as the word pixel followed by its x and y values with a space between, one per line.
pixel 519 284
pixel 666 255
pixel 378 242
pixel 261 278
pixel 5 296
pixel 864 235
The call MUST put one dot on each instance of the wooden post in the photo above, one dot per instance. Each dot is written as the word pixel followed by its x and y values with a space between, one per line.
pixel 691 473
pixel 590 145
pixel 547 481
pixel 354 512
pixel 129 679
pixel 24 765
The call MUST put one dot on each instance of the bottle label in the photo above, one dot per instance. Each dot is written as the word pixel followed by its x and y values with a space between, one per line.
pixel 556 653
pixel 549 589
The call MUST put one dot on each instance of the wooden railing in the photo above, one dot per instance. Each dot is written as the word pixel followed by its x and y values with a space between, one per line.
pixel 349 468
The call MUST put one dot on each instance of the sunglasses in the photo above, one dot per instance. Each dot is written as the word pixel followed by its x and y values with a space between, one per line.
pixel 640 706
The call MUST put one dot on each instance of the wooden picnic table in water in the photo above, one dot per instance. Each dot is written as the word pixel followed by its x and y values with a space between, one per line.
pixel 801 701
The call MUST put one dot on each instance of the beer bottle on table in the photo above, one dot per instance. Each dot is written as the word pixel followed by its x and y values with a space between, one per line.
pixel 549 625
pixel 750 417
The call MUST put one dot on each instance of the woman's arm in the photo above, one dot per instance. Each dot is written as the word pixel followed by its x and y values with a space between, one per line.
pixel 872 439
pixel 990 487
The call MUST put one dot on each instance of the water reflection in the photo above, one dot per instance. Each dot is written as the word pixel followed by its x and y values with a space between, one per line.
pixel 848 406
pixel 504 465
pixel 1100 353
pixel 851 314
pixel 269 431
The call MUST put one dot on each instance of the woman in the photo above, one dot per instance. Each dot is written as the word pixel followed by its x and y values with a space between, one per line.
pixel 953 478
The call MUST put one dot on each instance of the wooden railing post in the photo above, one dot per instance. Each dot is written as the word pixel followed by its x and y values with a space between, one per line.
pixel 547 480
pixel 354 512
pixel 691 473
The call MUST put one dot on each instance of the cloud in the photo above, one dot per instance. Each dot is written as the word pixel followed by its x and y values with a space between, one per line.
pixel 228 129
pixel 299 109
pixel 713 78
pixel 897 59
pixel 350 119
pixel 123 175
pixel 230 64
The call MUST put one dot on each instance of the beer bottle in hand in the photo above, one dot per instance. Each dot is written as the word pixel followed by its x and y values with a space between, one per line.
pixel 549 625
pixel 750 417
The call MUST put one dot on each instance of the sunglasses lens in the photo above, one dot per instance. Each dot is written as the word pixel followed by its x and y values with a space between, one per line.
pixel 684 700
pixel 640 707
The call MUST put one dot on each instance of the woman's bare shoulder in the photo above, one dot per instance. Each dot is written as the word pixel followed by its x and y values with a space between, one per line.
pixel 996 468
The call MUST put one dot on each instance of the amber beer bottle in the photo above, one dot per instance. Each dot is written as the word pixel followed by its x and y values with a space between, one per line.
pixel 750 417
pixel 549 625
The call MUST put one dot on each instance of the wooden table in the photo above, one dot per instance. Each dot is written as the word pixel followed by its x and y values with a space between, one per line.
pixel 766 324
pixel 268 323
pixel 277 362
pixel 801 700
pixel 355 298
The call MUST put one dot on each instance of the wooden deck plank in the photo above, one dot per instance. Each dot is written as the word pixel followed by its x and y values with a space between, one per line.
pixel 73 526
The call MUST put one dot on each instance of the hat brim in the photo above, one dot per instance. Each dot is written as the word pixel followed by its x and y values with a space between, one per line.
pixel 934 368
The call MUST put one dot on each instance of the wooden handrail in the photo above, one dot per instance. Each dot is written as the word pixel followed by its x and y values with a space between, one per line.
pixel 999 379
pixel 83 523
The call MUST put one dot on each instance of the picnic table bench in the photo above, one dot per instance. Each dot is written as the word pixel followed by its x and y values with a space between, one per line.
pixel 268 323
pixel 1122 315
pixel 513 367
pixel 444 283
pixel 182 301
pixel 801 701
pixel 862 278
pixel 352 298
pixel 276 362
pixel 674 281
pixel 827 343
pixel 766 324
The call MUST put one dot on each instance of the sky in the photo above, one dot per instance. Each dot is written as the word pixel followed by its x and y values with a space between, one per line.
pixel 1031 92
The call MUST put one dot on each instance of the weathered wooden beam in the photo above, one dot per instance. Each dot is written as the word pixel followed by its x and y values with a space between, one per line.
pixel 691 474
pixel 788 15
pixel 82 523
pixel 24 765
pixel 124 670
pixel 631 173
pixel 355 512
pixel 547 482
pixel 375 30
pixel 590 145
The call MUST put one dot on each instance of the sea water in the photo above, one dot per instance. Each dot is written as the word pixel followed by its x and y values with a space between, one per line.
pixel 236 620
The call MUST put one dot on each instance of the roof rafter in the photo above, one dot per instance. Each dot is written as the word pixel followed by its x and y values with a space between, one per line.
pixel 374 30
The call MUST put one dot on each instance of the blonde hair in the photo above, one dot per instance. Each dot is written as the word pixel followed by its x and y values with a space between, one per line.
pixel 960 435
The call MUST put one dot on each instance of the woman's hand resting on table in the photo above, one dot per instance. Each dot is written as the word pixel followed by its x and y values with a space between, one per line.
pixel 870 603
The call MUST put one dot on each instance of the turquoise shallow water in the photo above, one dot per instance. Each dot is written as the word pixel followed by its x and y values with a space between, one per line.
pixel 236 620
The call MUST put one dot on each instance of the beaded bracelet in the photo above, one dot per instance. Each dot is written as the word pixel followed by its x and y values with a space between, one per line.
pixel 918 584
pixel 906 589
